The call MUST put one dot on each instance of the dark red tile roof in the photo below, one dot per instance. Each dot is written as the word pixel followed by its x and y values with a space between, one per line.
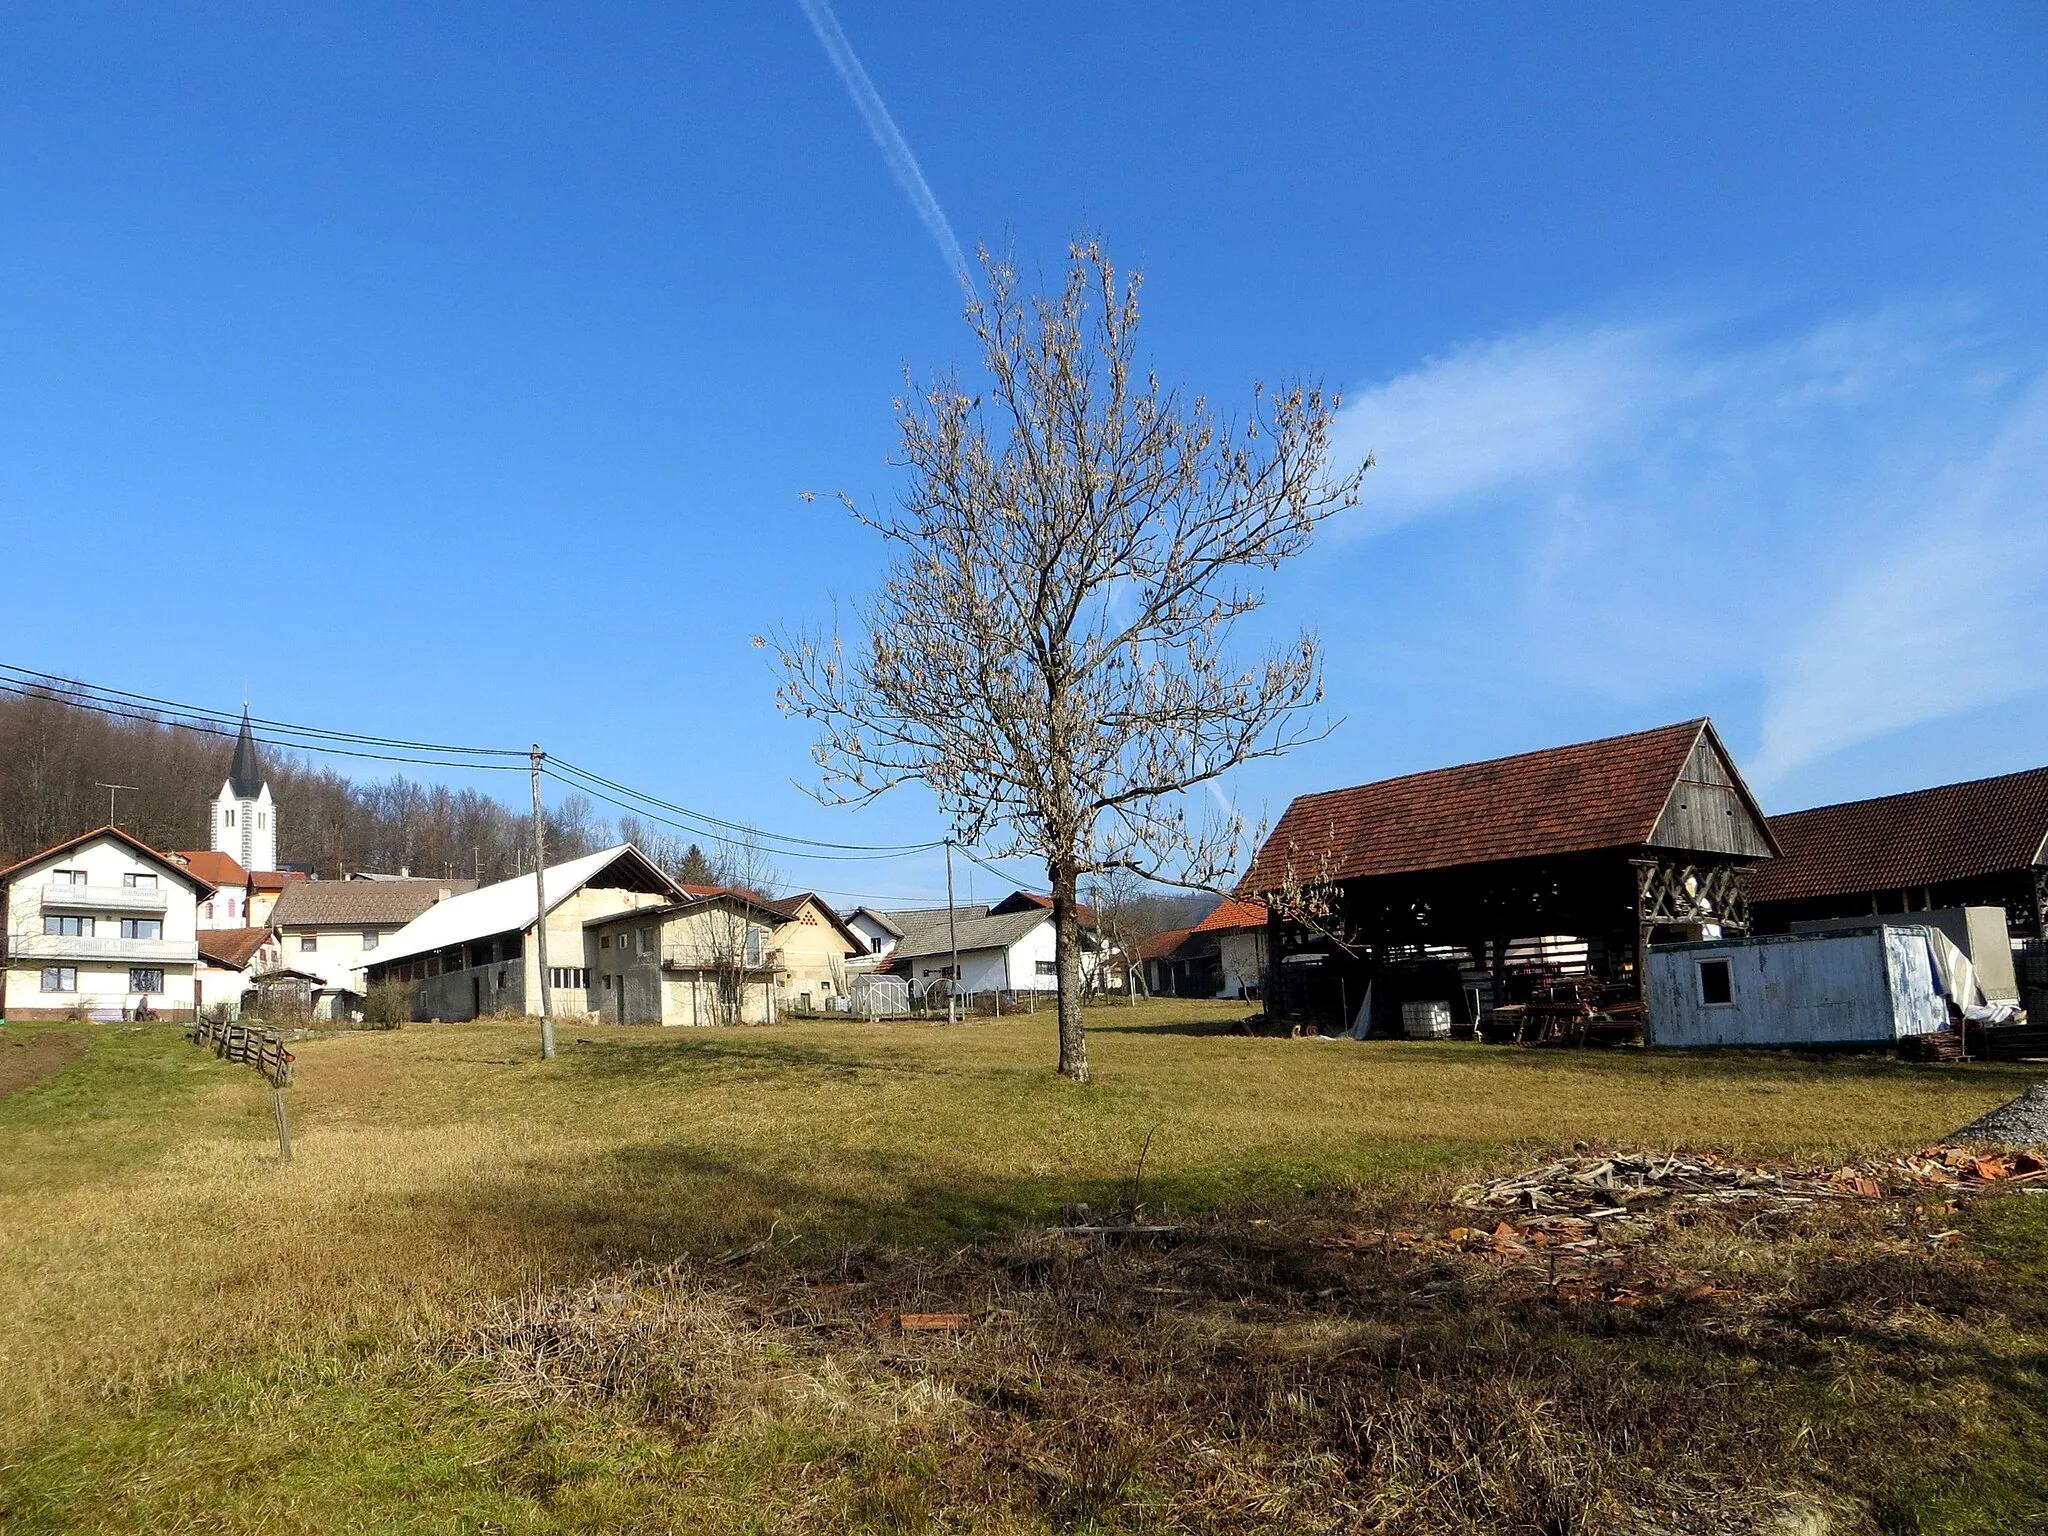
pixel 1593 794
pixel 1923 837
pixel 1160 945
pixel 214 867
pixel 1233 916
pixel 231 948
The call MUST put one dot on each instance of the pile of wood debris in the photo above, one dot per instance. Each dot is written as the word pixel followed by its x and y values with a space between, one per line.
pixel 1610 1188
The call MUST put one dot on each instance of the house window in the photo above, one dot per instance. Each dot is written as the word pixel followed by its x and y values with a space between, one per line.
pixel 262 821
pixel 209 909
pixel 145 978
pixel 563 976
pixel 604 941
pixel 231 906
pixel 69 927
pixel 369 941
pixel 646 937
pixel 136 882
pixel 142 928
pixel 227 818
pixel 67 877
pixel 607 983
pixel 309 943
pixel 1048 967
pixel 877 949
pixel 60 978
pixel 1717 988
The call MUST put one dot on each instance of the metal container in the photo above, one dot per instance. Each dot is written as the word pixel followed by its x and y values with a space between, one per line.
pixel 1872 985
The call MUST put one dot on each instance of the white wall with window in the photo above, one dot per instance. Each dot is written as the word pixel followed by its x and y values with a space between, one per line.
pixel 102 926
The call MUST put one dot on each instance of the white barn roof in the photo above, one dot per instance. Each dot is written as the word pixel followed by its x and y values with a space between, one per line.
pixel 508 906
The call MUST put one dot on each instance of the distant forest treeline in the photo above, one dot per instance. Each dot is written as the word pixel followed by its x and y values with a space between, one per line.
pixel 54 755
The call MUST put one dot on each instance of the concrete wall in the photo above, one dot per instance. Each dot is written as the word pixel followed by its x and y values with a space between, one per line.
pixel 104 959
pixel 814 956
pixel 667 970
pixel 1244 962
pixel 1873 986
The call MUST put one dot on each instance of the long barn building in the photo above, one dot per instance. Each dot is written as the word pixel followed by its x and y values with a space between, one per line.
pixel 1450 884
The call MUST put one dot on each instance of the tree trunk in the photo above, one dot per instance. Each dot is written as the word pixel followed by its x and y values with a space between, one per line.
pixel 1066 928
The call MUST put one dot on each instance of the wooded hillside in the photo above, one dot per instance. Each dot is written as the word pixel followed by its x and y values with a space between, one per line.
pixel 53 755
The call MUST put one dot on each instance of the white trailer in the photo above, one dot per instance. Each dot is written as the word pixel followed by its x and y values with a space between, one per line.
pixel 1861 986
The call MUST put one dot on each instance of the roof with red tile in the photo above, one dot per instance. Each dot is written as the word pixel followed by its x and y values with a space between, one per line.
pixel 231 948
pixel 1923 837
pixel 1233 916
pixel 1573 799
pixel 276 879
pixel 213 866
pixel 1160 945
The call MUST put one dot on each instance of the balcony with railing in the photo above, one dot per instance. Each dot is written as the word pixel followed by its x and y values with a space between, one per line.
pixel 103 898
pixel 76 948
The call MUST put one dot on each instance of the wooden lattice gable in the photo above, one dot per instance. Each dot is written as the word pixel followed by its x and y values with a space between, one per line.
pixel 1710 809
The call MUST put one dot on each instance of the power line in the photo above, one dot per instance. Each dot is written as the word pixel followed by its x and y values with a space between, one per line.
pixel 562 767
pixel 123 704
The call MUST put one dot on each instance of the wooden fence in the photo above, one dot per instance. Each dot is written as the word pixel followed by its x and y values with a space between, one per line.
pixel 260 1048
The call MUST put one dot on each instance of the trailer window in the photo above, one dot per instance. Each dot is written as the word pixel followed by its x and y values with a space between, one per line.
pixel 1715 987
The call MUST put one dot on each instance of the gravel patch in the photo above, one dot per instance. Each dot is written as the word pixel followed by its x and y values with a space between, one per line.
pixel 2022 1122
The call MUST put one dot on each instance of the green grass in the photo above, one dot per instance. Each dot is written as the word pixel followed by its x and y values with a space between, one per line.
pixel 194 1336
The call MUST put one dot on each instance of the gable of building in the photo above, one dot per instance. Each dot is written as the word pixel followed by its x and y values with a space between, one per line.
pixel 1710 809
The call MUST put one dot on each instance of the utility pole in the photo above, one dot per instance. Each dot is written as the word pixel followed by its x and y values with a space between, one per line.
pixel 110 788
pixel 953 935
pixel 540 919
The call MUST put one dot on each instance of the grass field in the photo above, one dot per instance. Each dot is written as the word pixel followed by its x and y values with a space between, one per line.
pixel 193 1336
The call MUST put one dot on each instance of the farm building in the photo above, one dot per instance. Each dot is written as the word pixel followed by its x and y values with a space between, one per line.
pixel 1982 843
pixel 1523 880
pixel 1224 955
pixel 476 953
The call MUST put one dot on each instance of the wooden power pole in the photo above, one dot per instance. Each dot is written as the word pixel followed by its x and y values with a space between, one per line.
pixel 540 918
pixel 953 937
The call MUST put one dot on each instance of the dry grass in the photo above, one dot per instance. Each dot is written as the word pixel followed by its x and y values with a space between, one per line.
pixel 152 1245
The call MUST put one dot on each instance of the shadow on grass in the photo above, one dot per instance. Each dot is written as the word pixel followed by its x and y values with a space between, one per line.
pixel 739 1052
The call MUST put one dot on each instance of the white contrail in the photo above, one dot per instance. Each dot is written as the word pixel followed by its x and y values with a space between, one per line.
pixel 895 151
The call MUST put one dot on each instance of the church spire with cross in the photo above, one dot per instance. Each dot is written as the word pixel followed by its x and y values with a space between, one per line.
pixel 244 815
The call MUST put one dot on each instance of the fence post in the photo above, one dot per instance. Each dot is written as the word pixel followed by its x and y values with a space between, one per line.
pixel 284 1129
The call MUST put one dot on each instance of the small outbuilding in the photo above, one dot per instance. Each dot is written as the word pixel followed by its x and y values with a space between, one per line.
pixel 1873 986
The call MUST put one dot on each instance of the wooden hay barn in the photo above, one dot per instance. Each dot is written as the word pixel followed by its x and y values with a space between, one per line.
pixel 1983 843
pixel 1533 880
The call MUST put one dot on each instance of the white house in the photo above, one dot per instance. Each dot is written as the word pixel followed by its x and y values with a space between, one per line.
pixel 879 935
pixel 104 924
pixel 1010 947
pixel 244 817
pixel 331 929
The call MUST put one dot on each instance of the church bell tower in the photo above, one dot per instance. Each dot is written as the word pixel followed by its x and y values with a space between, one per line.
pixel 244 816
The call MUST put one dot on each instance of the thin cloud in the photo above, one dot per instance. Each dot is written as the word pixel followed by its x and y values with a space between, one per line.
pixel 888 138
pixel 1846 522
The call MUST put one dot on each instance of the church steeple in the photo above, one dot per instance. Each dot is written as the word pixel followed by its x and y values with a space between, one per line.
pixel 244 816
pixel 245 774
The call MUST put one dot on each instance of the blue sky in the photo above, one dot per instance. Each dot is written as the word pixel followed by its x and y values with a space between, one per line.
pixel 455 372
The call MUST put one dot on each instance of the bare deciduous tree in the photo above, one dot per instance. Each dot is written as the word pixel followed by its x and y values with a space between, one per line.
pixel 1048 653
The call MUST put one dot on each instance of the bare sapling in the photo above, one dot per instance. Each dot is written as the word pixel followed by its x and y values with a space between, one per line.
pixel 1049 652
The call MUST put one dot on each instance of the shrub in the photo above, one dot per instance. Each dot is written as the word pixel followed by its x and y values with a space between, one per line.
pixel 387 1005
